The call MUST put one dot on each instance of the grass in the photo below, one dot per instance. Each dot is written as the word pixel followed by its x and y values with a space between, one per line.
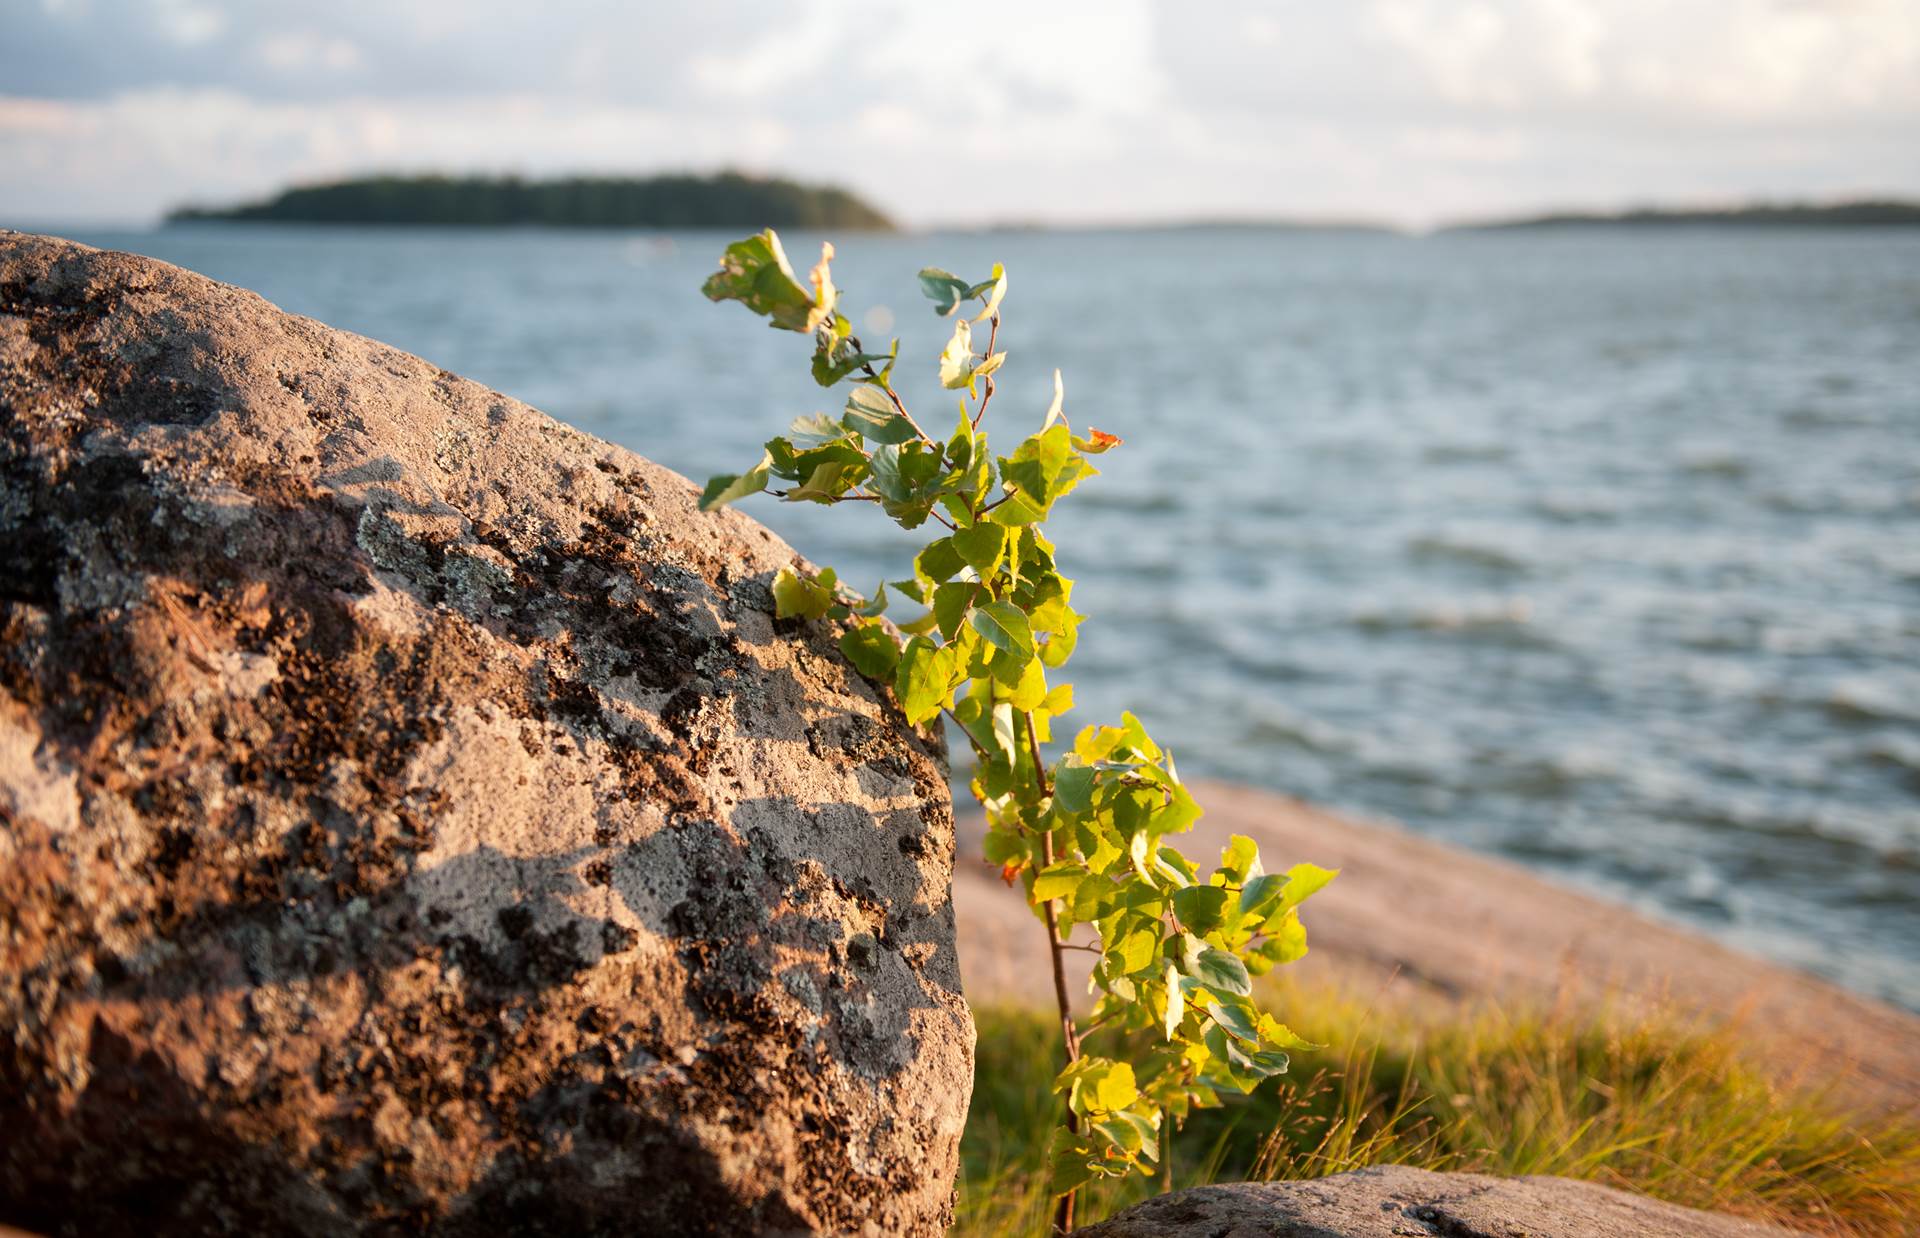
pixel 1652 1105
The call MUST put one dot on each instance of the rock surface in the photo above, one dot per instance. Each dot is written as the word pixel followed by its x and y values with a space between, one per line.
pixel 1391 1201
pixel 412 817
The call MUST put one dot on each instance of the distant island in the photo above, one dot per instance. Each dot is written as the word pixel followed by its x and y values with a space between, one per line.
pixel 1763 214
pixel 728 200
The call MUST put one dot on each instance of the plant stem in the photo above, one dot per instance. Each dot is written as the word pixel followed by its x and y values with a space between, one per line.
pixel 993 334
pixel 1063 1212
pixel 854 343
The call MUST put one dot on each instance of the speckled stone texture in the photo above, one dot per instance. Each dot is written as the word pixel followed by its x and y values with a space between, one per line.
pixel 413 818
pixel 1393 1201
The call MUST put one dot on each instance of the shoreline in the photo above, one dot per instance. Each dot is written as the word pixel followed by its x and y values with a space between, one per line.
pixel 1435 928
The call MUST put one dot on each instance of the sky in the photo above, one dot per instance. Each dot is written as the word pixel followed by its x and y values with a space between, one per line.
pixel 1412 112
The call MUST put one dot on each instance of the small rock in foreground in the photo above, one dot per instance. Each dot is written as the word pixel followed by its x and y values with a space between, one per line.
pixel 1392 1201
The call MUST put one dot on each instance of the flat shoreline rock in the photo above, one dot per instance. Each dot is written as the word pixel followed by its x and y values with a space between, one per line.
pixel 1392 1201
pixel 414 818
pixel 1420 924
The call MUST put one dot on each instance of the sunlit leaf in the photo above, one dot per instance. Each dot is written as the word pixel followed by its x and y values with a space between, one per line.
pixel 1059 399
pixel 755 273
pixel 732 487
pixel 872 416
pixel 1303 881
pixel 957 359
pixel 1005 626
pixel 981 546
pixel 950 602
pixel 923 681
pixel 1200 908
pixel 794 597
pixel 872 650
pixel 1057 881
pixel 995 288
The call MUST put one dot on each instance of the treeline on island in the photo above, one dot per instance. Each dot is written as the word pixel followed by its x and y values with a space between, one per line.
pixel 728 200
pixel 1762 214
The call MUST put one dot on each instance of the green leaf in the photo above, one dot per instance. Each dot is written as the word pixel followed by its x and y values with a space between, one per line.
pixel 950 603
pixel 797 598
pixel 815 430
pixel 1286 942
pixel 1176 1003
pixel 923 681
pixel 937 561
pixel 1239 858
pixel 1303 881
pixel 1136 951
pixel 1214 969
pixel 1073 787
pixel 1071 1162
pixel 1040 471
pixel 1029 687
pixel 1121 1133
pixel 957 359
pixel 835 357
pixel 732 487
pixel 1004 625
pixel 1098 1085
pixel 1237 1019
pixel 981 546
pixel 755 273
pixel 877 605
pixel 824 485
pixel 901 473
pixel 1257 895
pixel 1280 1036
pixel 1114 1088
pixel 1057 881
pixel 1201 908
pixel 944 288
pixel 995 288
pixel 872 650
pixel 1146 1130
pixel 872 416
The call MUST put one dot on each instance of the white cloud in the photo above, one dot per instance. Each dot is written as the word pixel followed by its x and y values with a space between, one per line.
pixel 1410 109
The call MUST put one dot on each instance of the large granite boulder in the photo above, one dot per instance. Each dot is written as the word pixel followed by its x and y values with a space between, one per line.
pixel 413 818
pixel 1393 1201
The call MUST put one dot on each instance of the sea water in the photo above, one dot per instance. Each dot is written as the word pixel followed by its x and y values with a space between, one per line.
pixel 1598 549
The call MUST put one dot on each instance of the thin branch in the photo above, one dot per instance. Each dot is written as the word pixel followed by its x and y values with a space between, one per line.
pixel 1033 750
pixel 866 367
pixel 1063 1211
pixel 993 333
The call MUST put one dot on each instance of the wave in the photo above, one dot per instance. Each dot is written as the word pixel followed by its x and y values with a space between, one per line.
pixel 1508 619
pixel 1478 554
pixel 1870 701
pixel 1443 453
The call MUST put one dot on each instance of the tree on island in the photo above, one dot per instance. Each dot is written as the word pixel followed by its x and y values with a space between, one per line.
pixel 728 200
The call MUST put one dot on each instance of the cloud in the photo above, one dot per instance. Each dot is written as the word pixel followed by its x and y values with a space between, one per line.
pixel 1410 109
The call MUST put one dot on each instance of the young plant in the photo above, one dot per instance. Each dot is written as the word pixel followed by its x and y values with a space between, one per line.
pixel 1086 834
